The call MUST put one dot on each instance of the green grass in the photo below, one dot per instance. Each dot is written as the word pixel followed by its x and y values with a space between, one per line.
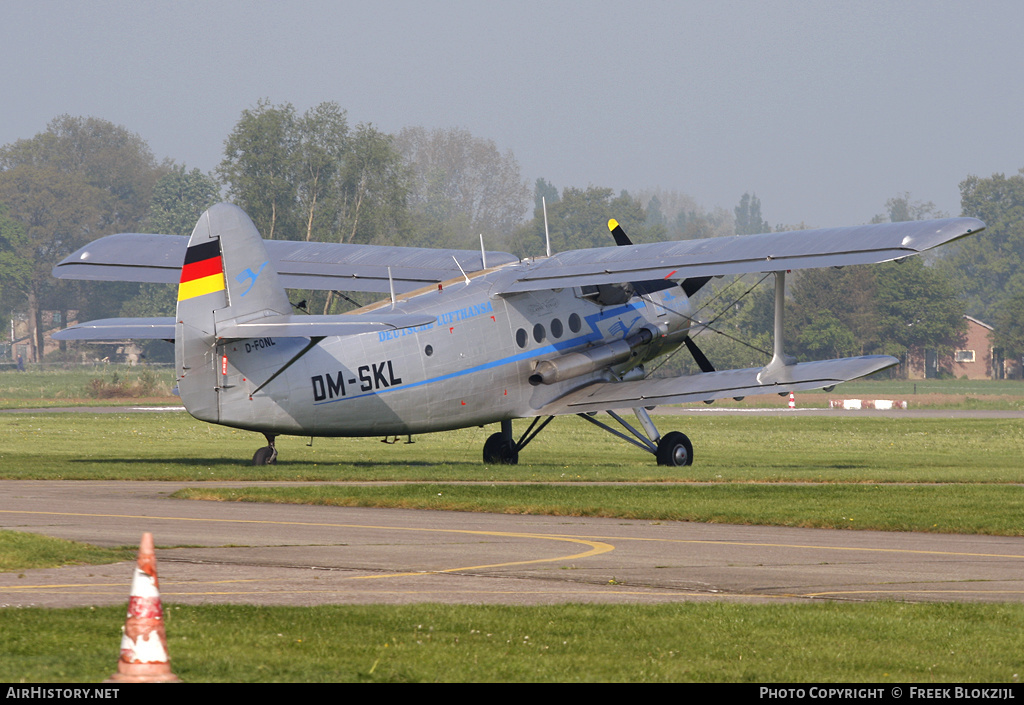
pixel 688 642
pixel 23 551
pixel 961 476
pixel 78 386
pixel 173 446
pixel 83 386
pixel 960 509
pixel 846 472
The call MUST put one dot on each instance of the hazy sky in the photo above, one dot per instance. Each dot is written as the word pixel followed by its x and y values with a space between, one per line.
pixel 823 109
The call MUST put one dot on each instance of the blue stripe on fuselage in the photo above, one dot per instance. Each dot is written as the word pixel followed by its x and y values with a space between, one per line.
pixel 595 334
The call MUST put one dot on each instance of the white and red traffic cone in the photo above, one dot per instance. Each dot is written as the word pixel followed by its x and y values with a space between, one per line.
pixel 144 643
pixel 792 401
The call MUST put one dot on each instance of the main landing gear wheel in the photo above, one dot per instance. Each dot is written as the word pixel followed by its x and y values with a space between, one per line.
pixel 267 455
pixel 675 450
pixel 499 449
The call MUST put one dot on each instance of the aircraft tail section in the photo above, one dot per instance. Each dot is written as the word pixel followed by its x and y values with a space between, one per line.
pixel 226 279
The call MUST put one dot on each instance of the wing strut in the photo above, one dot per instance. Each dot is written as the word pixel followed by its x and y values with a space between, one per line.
pixel 779 358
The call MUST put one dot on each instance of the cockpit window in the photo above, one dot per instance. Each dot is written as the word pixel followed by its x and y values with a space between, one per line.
pixel 607 294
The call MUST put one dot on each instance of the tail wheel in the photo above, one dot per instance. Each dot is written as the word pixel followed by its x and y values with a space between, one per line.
pixel 675 450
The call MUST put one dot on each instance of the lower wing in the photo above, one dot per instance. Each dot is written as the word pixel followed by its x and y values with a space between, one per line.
pixel 707 386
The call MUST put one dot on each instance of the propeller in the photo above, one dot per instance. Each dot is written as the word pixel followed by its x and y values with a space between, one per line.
pixel 698 356
pixel 690 286
pixel 621 238
pixel 693 285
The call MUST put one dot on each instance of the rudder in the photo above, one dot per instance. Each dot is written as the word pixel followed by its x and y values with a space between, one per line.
pixel 227 277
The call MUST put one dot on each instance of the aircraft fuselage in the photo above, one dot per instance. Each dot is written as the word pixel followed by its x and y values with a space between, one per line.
pixel 471 366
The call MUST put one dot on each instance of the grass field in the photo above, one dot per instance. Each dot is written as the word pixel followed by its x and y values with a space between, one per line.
pixel 21 551
pixel 87 385
pixel 960 509
pixel 690 642
pixel 119 384
pixel 960 476
pixel 727 448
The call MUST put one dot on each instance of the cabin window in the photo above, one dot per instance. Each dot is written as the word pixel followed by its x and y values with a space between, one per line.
pixel 574 323
pixel 538 333
pixel 556 328
pixel 429 350
pixel 521 338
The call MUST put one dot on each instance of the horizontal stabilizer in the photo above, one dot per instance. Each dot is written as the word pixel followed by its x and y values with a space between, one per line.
pixel 119 329
pixel 301 326
pixel 715 385
pixel 290 326
pixel 156 259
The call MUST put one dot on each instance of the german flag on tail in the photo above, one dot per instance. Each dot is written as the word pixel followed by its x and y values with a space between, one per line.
pixel 202 272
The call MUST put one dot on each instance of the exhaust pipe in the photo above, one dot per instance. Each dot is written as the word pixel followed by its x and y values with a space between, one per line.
pixel 575 364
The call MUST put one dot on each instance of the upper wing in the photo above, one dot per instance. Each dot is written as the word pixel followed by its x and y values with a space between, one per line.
pixel 141 257
pixel 601 396
pixel 770 252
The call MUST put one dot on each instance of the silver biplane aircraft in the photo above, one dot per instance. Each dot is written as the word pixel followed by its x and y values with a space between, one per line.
pixel 465 338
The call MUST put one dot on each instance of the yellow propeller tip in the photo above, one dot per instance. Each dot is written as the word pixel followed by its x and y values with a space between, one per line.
pixel 612 224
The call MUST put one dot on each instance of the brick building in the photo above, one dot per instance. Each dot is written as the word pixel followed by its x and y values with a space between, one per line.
pixel 975 358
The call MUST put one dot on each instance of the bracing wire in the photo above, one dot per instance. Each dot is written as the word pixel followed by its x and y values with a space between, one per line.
pixel 707 325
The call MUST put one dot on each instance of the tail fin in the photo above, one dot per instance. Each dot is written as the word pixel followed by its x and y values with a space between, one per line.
pixel 226 278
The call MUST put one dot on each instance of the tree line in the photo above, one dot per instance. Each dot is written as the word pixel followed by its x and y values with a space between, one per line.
pixel 314 176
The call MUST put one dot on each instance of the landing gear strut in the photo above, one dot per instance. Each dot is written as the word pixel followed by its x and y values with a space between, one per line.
pixel 673 449
pixel 503 449
pixel 267 455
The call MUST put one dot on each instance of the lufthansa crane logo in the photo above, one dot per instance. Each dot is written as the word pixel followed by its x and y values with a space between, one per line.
pixel 251 277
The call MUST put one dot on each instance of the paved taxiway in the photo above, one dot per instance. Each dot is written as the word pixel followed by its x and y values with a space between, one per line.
pixel 219 552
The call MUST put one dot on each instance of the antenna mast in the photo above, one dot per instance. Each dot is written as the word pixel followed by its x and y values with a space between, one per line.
pixel 547 235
